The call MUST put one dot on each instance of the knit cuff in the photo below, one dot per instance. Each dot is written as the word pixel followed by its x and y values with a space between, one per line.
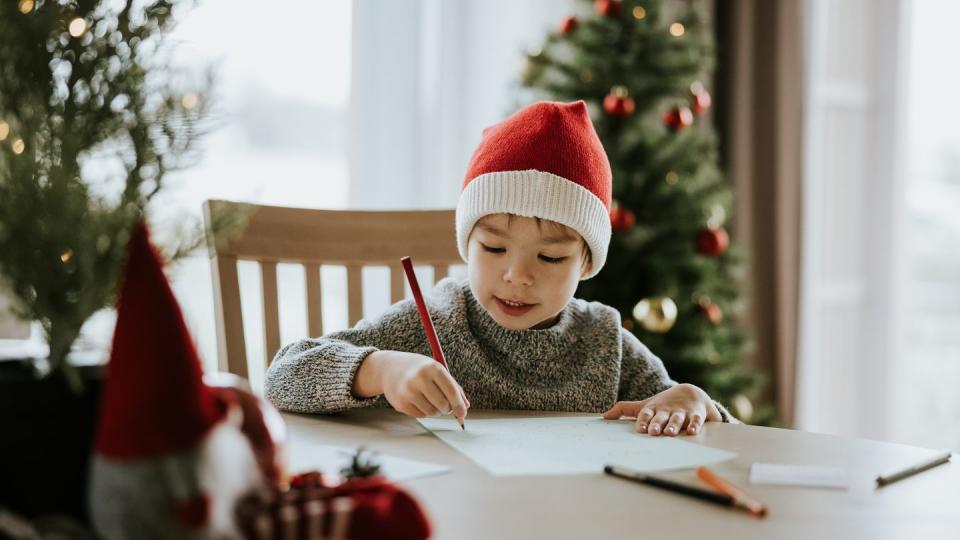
pixel 334 385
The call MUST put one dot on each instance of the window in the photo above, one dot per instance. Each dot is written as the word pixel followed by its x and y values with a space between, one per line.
pixel 927 367
pixel 880 310
pixel 282 91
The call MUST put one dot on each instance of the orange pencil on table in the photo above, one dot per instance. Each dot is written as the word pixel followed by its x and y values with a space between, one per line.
pixel 740 497
pixel 425 318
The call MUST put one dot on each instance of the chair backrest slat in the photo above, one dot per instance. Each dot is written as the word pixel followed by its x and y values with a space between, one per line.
pixel 314 299
pixel 231 347
pixel 271 312
pixel 354 293
pixel 397 279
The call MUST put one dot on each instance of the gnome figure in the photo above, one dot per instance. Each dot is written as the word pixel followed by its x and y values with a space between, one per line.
pixel 172 454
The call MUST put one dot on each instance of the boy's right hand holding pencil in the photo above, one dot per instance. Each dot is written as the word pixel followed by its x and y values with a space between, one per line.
pixel 414 384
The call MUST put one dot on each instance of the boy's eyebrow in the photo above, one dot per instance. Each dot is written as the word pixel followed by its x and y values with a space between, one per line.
pixel 562 239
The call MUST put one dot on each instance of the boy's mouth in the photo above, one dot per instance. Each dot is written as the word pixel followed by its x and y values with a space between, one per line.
pixel 513 308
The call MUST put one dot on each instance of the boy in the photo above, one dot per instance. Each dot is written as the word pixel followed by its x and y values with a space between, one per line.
pixel 532 221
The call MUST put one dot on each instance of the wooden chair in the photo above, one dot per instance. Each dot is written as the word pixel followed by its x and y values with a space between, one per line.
pixel 350 238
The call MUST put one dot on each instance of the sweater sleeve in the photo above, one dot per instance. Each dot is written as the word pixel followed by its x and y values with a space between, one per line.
pixel 316 375
pixel 642 374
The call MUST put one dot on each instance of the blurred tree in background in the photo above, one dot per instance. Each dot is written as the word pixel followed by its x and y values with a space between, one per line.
pixel 92 117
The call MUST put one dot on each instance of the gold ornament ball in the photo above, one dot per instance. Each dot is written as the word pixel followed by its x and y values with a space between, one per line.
pixel 742 407
pixel 656 314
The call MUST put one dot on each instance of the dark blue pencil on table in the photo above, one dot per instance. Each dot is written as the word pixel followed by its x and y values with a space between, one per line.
pixel 425 318
pixel 714 497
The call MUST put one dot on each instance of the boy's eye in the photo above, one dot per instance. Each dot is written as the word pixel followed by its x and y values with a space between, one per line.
pixel 489 249
pixel 552 260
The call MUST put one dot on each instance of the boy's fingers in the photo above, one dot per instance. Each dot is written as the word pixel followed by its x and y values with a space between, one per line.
pixel 614 412
pixel 656 424
pixel 422 404
pixel 624 408
pixel 696 421
pixel 452 394
pixel 675 423
pixel 643 419
pixel 436 397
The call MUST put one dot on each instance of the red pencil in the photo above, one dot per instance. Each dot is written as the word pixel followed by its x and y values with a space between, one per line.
pixel 425 318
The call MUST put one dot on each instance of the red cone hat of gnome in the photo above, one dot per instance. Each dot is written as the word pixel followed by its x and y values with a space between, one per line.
pixel 154 401
pixel 544 161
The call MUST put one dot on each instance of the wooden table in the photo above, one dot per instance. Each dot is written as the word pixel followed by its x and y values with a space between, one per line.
pixel 470 503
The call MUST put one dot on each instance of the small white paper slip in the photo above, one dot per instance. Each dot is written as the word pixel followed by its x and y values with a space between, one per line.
pixel 799 475
pixel 331 459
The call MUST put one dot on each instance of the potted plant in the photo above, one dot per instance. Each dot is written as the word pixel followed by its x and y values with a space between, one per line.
pixel 92 118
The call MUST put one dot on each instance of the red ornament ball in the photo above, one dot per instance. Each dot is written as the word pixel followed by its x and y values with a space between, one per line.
pixel 621 219
pixel 713 242
pixel 608 8
pixel 700 102
pixel 712 313
pixel 678 118
pixel 568 25
pixel 620 106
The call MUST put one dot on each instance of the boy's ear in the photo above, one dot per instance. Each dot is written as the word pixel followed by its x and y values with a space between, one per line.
pixel 585 268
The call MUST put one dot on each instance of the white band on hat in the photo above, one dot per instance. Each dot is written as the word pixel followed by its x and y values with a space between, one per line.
pixel 534 193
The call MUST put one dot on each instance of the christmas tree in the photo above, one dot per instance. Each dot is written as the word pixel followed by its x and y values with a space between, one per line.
pixel 643 68
pixel 86 88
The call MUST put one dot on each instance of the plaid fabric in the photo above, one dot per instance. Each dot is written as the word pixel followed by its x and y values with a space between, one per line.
pixel 314 509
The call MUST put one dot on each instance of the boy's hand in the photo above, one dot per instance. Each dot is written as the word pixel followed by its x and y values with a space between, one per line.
pixel 681 408
pixel 417 385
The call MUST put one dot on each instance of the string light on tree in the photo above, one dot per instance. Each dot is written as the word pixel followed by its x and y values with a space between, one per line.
pixel 4 130
pixel 657 314
pixel 717 216
pixel 639 13
pixel 26 6
pixel 618 102
pixel 18 146
pixel 608 8
pixel 190 100
pixel 700 99
pixel 678 118
pixel 66 256
pixel 677 29
pixel 78 27
pixel 671 178
pixel 568 25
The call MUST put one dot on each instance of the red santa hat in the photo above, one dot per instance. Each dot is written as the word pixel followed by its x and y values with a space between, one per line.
pixel 544 161
pixel 154 400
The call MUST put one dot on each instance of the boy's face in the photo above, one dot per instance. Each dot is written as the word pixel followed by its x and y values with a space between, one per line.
pixel 524 273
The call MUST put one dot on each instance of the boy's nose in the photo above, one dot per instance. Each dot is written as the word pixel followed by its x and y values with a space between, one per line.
pixel 518 273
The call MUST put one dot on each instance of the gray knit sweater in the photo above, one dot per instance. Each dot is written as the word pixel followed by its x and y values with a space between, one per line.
pixel 585 362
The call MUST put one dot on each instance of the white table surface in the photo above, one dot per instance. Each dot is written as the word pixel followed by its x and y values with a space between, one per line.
pixel 469 503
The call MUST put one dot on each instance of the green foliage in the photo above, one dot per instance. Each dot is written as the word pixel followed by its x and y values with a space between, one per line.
pixel 670 179
pixel 69 99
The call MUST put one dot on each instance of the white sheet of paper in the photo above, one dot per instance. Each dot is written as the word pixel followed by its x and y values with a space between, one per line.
pixel 566 445
pixel 799 475
pixel 331 459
